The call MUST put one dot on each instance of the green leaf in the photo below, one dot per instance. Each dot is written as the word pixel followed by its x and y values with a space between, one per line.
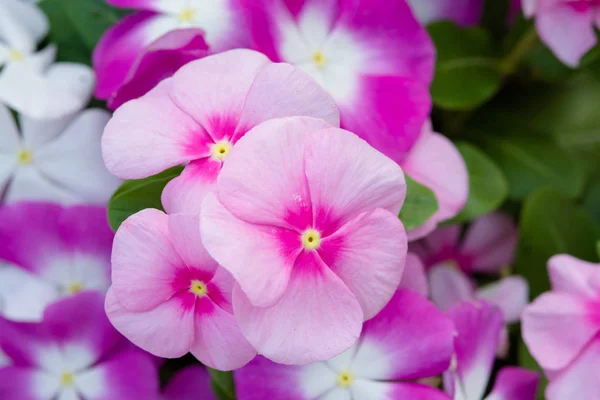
pixel 552 224
pixel 136 195
pixel 420 204
pixel 222 383
pixel 76 26
pixel 488 188
pixel 466 72
pixel 530 164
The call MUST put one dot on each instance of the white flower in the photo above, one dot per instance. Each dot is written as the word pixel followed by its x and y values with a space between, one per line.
pixel 54 160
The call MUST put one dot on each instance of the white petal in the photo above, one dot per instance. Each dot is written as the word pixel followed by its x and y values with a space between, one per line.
pixel 337 394
pixel 37 132
pixel 30 17
pixel 14 32
pixel 68 393
pixel 24 296
pixel 29 185
pixel 316 379
pixel 9 134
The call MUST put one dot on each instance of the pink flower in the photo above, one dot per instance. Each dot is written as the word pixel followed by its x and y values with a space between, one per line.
pixel 199 114
pixel 377 62
pixel 168 296
pixel 192 383
pixel 566 26
pixel 73 353
pixel 221 20
pixel 408 340
pixel 53 252
pixel 305 219
pixel 158 61
pixel 562 329
pixel 479 327
pixel 488 246
pixel 462 12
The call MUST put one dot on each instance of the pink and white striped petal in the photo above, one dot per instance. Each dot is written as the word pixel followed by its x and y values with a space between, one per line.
pixel 316 318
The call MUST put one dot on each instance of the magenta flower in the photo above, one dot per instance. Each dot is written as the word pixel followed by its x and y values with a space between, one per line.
pixel 199 114
pixel 168 296
pixel 377 62
pixel 53 252
pixel 116 53
pixel 567 27
pixel 479 327
pixel 74 353
pixel 461 12
pixel 408 340
pixel 562 329
pixel 192 383
pixel 158 61
pixel 305 218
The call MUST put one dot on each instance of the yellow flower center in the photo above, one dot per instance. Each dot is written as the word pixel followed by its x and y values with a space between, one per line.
pixel 319 59
pixel 311 239
pixel 74 288
pixel 24 156
pixel 16 55
pixel 345 379
pixel 187 15
pixel 198 288
pixel 220 150
pixel 67 379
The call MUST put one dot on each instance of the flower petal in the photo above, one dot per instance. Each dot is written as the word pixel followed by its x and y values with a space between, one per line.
pixel 414 276
pixel 24 296
pixel 510 294
pixel 29 184
pixel 185 236
pixel 260 258
pixel 409 339
pixel 515 384
pixel 166 6
pixel 368 254
pixel 573 276
pixel 150 134
pixel 556 327
pixel 144 261
pixel 439 245
pixel 462 12
pixel 30 17
pixel 166 331
pixel 316 318
pixel 449 286
pixel 490 243
pixel 27 383
pixel 191 383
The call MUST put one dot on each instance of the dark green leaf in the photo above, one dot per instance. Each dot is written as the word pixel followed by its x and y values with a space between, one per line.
pixel 77 25
pixel 487 185
pixel 419 206
pixel 551 224
pixel 136 195
pixel 466 71
pixel 222 383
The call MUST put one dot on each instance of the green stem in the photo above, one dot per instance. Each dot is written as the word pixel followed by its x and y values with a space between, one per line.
pixel 509 64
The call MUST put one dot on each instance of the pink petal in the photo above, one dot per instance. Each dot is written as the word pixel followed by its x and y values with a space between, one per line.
pixel 478 327
pixel 515 384
pixel 281 90
pixel 260 258
pixel 184 194
pixel 218 341
pixel 213 89
pixel 127 375
pixel 415 391
pixel 263 179
pixel 440 245
pixel 144 261
pixel 579 379
pixel 150 134
pixel 316 319
pixel 449 286
pixel 568 30
pixel 120 46
pixel 490 243
pixel 573 276
pixel 263 379
pixel 185 236
pixel 191 383
pixel 368 254
pixel 220 289
pixel 414 276
pixel 166 330
pixel 358 179
pixel 556 327
pixel 436 163
pixel 408 340
pixel 510 294
pixel 27 384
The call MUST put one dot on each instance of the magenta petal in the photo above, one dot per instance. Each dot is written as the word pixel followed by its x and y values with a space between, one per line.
pixel 120 46
pixel 191 383
pixel 515 384
pixel 160 60
pixel 316 318
pixel 27 384
pixel 414 391
pixel 412 340
pixel 264 379
pixel 414 276
pixel 462 12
